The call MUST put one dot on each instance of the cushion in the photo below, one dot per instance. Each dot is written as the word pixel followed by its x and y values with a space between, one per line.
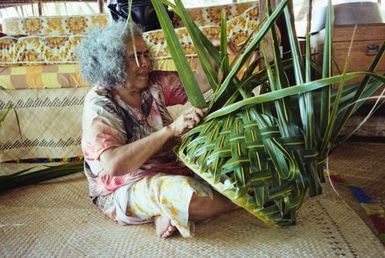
pixel 211 15
pixel 54 25
pixel 41 76
pixel 39 49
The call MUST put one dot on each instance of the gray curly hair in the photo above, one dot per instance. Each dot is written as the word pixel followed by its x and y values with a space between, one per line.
pixel 102 54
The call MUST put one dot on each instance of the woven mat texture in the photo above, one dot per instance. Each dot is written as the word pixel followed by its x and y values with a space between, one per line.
pixel 362 164
pixel 50 122
pixel 55 219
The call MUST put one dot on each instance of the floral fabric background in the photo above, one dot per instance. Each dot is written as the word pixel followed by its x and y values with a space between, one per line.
pixel 60 49
pixel 212 15
pixel 39 49
pixel 54 25
pixel 46 40
pixel 53 40
pixel 239 28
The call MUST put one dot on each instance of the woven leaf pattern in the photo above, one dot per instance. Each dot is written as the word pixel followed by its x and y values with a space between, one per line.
pixel 230 153
pixel 266 152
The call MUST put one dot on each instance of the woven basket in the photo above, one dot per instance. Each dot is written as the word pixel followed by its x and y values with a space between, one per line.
pixel 235 154
pixel 266 152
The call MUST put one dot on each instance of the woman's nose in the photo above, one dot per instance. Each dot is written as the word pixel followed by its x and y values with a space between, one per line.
pixel 144 61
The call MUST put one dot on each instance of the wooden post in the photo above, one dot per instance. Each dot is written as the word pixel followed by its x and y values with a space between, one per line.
pixel 39 8
pixel 101 6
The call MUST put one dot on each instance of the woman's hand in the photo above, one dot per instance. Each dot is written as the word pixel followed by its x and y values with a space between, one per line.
pixel 189 119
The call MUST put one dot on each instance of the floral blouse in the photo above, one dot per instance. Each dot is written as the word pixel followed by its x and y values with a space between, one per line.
pixel 109 122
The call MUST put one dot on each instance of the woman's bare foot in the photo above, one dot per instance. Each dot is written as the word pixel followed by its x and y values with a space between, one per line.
pixel 164 227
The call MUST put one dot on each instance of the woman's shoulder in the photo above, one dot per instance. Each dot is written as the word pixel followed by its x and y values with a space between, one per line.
pixel 99 99
pixel 98 95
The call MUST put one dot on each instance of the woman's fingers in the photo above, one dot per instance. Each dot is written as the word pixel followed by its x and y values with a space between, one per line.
pixel 195 114
pixel 196 118
pixel 190 124
pixel 201 112
pixel 188 120
pixel 192 117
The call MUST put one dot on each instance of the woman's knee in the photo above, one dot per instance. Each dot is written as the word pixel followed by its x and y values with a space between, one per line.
pixel 207 207
pixel 203 207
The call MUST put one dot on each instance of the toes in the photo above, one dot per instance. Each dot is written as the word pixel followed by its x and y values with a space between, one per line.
pixel 164 227
pixel 165 235
pixel 170 230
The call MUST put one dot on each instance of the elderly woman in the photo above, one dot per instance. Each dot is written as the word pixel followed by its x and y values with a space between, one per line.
pixel 128 136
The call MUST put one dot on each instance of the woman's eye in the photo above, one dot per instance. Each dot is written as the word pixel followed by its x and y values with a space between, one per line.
pixel 139 55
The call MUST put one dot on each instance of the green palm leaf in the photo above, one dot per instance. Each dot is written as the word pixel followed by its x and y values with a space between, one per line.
pixel 326 70
pixel 249 50
pixel 265 152
pixel 184 70
pixel 24 177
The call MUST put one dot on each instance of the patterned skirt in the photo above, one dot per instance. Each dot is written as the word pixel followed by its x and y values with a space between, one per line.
pixel 158 195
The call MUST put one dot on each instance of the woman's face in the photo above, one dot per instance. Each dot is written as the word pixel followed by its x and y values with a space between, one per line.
pixel 138 71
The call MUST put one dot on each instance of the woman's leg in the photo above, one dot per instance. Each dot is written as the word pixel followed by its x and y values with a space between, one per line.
pixel 204 207
pixel 166 199
pixel 200 208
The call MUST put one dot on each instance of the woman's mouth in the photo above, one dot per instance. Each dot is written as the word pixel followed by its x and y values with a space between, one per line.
pixel 143 74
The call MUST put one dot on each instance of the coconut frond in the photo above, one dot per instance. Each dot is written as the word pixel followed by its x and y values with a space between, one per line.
pixel 186 75
pixel 266 152
pixel 26 177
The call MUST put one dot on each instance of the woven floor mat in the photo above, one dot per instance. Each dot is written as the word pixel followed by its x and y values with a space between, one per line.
pixel 359 166
pixel 56 219
pixel 361 163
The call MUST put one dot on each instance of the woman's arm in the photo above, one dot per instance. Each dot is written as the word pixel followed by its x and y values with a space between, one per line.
pixel 121 160
pixel 201 78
